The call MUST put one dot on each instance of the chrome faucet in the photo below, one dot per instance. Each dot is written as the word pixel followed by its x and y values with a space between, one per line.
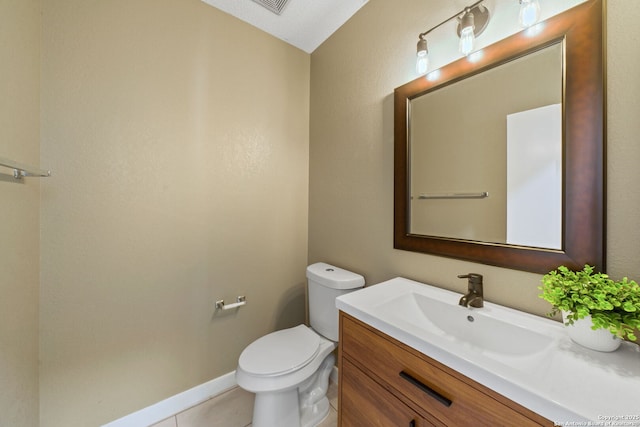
pixel 474 297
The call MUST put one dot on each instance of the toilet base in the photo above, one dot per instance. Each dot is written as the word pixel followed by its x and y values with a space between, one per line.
pixel 314 405
pixel 303 406
pixel 276 409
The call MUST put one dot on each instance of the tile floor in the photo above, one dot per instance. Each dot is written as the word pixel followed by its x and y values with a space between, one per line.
pixel 234 408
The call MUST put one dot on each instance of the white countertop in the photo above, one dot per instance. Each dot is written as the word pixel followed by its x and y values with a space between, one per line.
pixel 565 383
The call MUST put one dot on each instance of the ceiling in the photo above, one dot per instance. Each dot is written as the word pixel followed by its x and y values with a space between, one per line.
pixel 305 24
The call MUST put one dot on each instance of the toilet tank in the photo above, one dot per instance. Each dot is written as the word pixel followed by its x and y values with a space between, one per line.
pixel 326 283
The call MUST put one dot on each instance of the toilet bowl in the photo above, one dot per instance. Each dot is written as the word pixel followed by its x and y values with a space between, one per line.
pixel 289 370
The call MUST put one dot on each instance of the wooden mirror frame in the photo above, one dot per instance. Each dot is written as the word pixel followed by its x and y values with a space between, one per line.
pixel 583 205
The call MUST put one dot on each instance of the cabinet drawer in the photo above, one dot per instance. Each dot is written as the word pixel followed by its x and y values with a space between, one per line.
pixel 366 404
pixel 426 383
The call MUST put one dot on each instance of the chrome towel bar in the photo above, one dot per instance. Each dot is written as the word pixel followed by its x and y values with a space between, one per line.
pixel 20 170
pixel 480 195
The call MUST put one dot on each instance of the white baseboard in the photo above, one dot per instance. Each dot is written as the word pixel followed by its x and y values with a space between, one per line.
pixel 185 400
pixel 178 403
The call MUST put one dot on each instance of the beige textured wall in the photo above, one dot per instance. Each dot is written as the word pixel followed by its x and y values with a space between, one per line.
pixel 623 149
pixel 179 140
pixel 19 212
pixel 353 75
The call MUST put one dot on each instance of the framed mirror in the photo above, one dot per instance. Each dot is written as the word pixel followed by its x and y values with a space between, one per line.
pixel 500 160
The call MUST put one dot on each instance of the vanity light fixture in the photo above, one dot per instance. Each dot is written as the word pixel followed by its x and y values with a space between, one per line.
pixel 472 21
pixel 466 27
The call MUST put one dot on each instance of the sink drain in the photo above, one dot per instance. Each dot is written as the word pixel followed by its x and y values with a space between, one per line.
pixel 470 318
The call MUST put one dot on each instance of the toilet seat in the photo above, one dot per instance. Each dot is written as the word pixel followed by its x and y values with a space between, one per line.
pixel 280 352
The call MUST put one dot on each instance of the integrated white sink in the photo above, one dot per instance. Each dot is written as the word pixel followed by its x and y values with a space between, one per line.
pixel 529 359
pixel 493 329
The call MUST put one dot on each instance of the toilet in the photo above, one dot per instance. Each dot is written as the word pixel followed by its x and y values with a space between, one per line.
pixel 288 370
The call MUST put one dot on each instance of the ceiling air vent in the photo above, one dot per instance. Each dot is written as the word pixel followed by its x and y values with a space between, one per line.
pixel 274 6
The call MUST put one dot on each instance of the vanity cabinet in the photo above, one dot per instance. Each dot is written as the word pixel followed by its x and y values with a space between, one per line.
pixel 383 382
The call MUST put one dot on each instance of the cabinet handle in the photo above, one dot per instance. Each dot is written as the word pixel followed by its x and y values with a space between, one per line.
pixel 412 423
pixel 431 392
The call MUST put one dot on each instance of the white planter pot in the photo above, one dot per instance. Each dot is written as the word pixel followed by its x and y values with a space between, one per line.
pixel 600 339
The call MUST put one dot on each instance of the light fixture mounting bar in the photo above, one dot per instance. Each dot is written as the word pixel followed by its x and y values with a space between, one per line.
pixel 422 35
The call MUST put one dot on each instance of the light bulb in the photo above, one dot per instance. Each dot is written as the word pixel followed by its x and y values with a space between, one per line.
pixel 422 57
pixel 467 39
pixel 529 13
pixel 467 36
pixel 422 63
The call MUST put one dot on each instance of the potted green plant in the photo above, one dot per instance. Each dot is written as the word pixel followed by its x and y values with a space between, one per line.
pixel 608 307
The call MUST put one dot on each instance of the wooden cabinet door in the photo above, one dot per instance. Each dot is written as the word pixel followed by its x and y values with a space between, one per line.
pixel 365 403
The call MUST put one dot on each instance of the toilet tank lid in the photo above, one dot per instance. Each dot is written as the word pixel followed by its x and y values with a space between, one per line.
pixel 334 277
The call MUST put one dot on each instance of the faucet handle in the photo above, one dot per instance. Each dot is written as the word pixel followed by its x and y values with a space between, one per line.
pixel 474 278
